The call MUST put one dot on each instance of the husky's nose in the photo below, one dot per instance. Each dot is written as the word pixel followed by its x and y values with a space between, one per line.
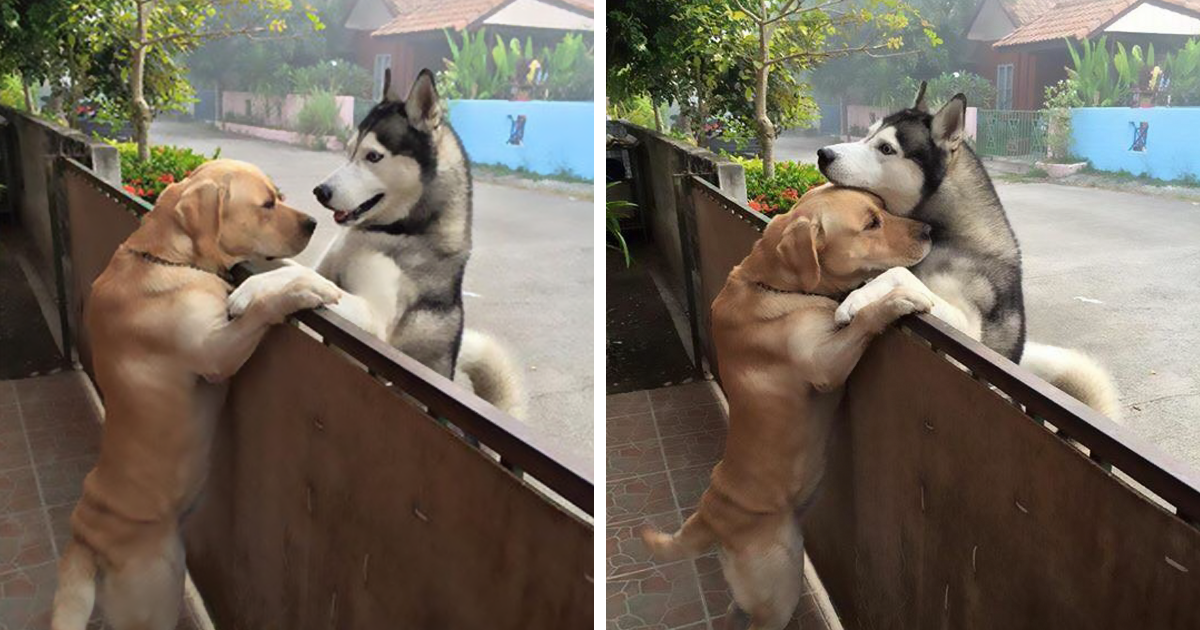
pixel 323 193
pixel 825 156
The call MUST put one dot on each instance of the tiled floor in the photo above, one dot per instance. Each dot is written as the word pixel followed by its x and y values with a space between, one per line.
pixel 49 439
pixel 662 445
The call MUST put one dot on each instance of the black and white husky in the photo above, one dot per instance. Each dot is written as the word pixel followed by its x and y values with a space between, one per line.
pixel 404 199
pixel 919 164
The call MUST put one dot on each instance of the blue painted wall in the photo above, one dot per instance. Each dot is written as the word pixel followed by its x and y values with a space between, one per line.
pixel 558 135
pixel 1105 135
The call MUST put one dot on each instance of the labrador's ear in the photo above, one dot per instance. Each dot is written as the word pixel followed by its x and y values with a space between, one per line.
pixel 797 250
pixel 920 104
pixel 423 108
pixel 949 124
pixel 199 208
pixel 816 190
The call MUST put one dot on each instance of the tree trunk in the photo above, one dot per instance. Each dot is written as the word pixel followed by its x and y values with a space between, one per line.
pixel 137 75
pixel 766 129
pixel 658 123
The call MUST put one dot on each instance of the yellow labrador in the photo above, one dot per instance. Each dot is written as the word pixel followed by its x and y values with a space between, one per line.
pixel 783 362
pixel 162 342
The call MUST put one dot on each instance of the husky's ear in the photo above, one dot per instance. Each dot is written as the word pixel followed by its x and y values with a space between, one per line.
pixel 920 104
pixel 949 124
pixel 389 95
pixel 798 250
pixel 423 108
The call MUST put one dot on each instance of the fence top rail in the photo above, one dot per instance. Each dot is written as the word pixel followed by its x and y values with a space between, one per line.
pixel 1108 442
pixel 518 444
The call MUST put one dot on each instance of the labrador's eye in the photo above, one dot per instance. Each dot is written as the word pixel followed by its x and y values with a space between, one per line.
pixel 374 156
pixel 874 223
pixel 270 204
pixel 886 149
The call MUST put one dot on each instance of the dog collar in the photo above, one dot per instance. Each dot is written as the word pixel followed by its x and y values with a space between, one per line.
pixel 766 287
pixel 148 257
pixel 407 225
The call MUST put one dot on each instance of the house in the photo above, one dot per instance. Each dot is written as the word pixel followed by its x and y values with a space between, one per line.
pixel 1021 45
pixel 408 35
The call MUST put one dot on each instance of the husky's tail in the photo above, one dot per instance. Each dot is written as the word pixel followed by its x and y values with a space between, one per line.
pixel 76 593
pixel 693 539
pixel 493 375
pixel 1076 374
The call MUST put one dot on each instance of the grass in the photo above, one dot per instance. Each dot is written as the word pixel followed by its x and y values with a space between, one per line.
pixel 500 170
pixel 1125 177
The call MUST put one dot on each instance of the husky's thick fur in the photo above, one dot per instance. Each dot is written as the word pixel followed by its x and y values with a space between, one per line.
pixel 404 197
pixel 919 164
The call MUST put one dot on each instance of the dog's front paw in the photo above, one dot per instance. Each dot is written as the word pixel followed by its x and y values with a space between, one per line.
pixel 905 301
pixel 875 290
pixel 310 290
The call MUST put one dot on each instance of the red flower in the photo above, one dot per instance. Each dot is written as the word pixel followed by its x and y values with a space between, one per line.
pixel 756 206
pixel 791 195
pixel 167 178
pixel 129 189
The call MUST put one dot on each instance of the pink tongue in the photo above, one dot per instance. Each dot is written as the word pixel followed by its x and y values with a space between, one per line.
pixel 340 215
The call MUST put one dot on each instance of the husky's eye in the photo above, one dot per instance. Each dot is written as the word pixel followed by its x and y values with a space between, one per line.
pixel 374 156
pixel 886 149
pixel 874 223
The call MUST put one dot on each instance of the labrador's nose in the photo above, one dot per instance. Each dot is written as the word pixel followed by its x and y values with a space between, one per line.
pixel 323 193
pixel 926 231
pixel 825 156
pixel 309 226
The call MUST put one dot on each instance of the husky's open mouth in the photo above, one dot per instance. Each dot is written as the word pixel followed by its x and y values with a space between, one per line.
pixel 344 216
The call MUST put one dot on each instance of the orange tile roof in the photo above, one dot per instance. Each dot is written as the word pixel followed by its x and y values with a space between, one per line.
pixel 1077 19
pixel 415 16
pixel 1026 11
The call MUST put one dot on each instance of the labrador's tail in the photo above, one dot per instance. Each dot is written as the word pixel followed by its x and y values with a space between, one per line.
pixel 493 374
pixel 693 539
pixel 76 594
pixel 1076 374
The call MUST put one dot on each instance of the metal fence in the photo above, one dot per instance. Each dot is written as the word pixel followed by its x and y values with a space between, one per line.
pixel 339 497
pixel 950 503
pixel 1010 133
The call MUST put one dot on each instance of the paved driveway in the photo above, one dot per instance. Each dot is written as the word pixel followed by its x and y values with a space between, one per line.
pixel 529 282
pixel 1116 274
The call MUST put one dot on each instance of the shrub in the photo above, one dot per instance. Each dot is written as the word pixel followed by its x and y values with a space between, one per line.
pixel 167 165
pixel 319 116
pixel 337 77
pixel 792 179
pixel 11 92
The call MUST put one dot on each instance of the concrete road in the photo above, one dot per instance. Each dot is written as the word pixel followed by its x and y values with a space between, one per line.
pixel 1117 275
pixel 529 283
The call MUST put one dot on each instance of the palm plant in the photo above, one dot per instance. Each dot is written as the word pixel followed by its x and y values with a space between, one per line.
pixel 612 219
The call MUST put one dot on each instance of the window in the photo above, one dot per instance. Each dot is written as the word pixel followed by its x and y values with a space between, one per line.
pixel 1004 86
pixel 382 62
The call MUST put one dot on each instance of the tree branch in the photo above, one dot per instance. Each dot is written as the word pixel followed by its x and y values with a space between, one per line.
pixel 790 11
pixel 838 52
pixel 740 4
pixel 247 31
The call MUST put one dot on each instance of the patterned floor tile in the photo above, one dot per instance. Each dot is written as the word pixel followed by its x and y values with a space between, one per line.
pixel 682 421
pixel 24 540
pixel 18 491
pixel 26 596
pixel 660 598
pixel 61 443
pixel 694 449
pixel 633 498
pixel 626 404
pixel 625 550
pixel 638 427
pixel 60 524
pixel 14 453
pixel 681 396
pixel 690 484
pixel 633 460
pixel 62 481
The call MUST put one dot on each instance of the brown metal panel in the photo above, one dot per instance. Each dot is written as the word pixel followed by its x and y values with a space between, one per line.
pixel 333 502
pixel 97 224
pixel 725 233
pixel 948 507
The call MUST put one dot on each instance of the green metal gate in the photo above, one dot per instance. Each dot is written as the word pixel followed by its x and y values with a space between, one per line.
pixel 1010 133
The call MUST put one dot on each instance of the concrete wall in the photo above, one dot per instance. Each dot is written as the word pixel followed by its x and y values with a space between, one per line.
pixel 30 144
pixel 1105 135
pixel 281 112
pixel 558 135
pixel 662 198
